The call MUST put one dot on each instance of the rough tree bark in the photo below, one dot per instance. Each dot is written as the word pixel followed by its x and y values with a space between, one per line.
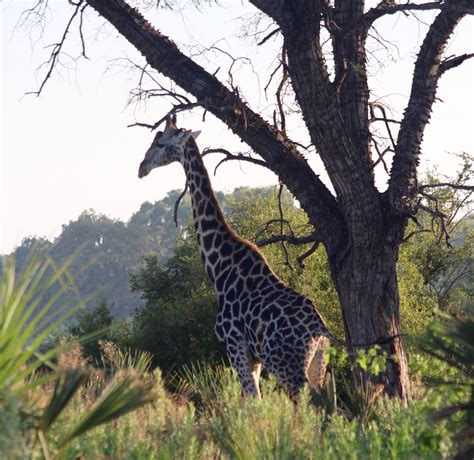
pixel 361 228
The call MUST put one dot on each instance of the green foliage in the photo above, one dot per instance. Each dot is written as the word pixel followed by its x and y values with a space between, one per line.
pixel 22 329
pixel 108 249
pixel 255 214
pixel 99 319
pixel 451 341
pixel 176 324
pixel 227 426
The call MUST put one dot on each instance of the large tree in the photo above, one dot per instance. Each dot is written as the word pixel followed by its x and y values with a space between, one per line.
pixel 360 227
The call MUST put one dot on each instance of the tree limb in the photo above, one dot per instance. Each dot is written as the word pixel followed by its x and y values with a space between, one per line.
pixel 454 61
pixel 333 121
pixel 447 184
pixel 385 8
pixel 231 156
pixel 279 152
pixel 268 36
pixel 402 188
pixel 292 239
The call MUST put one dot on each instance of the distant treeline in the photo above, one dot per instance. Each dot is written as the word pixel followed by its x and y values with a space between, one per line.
pixel 106 251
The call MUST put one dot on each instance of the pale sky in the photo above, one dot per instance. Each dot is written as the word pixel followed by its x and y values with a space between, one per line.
pixel 70 149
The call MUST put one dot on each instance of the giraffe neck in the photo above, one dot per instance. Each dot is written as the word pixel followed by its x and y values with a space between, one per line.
pixel 212 231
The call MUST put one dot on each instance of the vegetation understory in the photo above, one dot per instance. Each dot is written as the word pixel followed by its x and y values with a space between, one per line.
pixel 208 419
pixel 156 385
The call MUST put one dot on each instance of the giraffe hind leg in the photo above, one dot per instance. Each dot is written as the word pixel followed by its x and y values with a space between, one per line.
pixel 316 370
pixel 248 369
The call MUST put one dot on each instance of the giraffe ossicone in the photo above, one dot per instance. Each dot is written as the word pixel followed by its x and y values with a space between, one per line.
pixel 260 320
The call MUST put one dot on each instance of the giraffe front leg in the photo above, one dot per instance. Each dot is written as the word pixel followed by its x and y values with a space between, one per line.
pixel 248 370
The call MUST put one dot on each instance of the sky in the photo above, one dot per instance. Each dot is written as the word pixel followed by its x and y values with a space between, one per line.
pixel 70 149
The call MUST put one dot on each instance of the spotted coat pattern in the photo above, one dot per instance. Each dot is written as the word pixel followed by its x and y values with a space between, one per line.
pixel 260 320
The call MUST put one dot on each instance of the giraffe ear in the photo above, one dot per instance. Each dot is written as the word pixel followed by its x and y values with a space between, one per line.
pixel 195 134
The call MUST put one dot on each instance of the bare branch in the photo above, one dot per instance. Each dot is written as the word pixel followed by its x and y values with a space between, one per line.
pixel 280 153
pixel 447 184
pixel 291 239
pixel 231 156
pixel 388 7
pixel 381 155
pixel 270 35
pixel 57 47
pixel 454 61
pixel 385 119
pixel 279 92
pixel 280 210
pixel 440 217
pixel 415 232
pixel 176 109
pixel 301 258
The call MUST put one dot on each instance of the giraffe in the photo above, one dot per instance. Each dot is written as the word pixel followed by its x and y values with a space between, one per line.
pixel 261 321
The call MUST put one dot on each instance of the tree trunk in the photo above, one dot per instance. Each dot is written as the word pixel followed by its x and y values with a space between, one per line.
pixel 367 286
pixel 361 228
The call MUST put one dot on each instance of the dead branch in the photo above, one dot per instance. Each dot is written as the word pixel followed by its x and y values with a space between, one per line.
pixel 415 232
pixel 384 118
pixel 272 75
pixel 388 7
pixel 267 225
pixel 280 210
pixel 447 184
pixel 57 47
pixel 231 156
pixel 454 61
pixel 176 109
pixel 270 35
pixel 281 86
pixel 234 62
pixel 291 239
pixel 380 154
pixel 300 259
pixel 438 216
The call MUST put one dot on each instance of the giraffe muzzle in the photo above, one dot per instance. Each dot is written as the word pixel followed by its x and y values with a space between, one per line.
pixel 143 170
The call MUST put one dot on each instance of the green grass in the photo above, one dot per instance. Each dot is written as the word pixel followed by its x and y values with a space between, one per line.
pixel 220 424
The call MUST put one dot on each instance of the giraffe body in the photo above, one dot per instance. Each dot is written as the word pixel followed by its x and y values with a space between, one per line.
pixel 261 321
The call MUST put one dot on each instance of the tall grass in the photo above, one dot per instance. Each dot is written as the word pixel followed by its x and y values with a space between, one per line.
pixel 220 424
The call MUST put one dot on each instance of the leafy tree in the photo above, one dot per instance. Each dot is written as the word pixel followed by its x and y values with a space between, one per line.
pixel 177 322
pixel 360 227
pixel 87 322
pixel 106 250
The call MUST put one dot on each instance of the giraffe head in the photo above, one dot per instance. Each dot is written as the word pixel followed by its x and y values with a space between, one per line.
pixel 166 147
